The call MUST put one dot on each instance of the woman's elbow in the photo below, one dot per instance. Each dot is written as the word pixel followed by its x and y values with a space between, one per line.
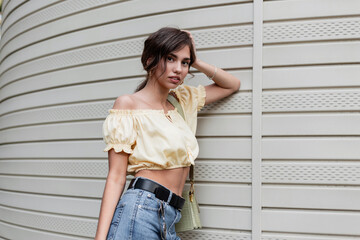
pixel 236 85
pixel 116 178
pixel 117 167
pixel 113 183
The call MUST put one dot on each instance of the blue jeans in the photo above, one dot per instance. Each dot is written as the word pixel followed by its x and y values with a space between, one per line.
pixel 140 215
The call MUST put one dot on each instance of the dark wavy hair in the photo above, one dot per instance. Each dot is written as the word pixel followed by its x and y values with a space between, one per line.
pixel 159 45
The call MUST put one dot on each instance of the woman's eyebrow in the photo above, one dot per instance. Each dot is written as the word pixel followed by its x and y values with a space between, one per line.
pixel 175 56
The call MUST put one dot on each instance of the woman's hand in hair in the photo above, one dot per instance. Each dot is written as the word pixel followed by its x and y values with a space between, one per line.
pixel 193 43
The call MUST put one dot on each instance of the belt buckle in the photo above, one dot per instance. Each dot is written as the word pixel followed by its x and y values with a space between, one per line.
pixel 162 193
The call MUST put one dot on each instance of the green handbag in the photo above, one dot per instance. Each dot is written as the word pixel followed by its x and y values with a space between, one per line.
pixel 190 213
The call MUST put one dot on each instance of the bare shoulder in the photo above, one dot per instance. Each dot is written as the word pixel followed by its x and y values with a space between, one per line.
pixel 124 102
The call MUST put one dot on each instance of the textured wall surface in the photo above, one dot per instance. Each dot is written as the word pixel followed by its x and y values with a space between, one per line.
pixel 279 160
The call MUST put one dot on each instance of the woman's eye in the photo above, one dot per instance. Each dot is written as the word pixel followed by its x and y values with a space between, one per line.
pixel 170 59
pixel 186 63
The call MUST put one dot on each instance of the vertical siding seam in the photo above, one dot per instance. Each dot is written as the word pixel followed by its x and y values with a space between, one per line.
pixel 256 119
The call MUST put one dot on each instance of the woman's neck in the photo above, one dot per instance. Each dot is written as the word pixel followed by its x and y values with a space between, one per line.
pixel 154 93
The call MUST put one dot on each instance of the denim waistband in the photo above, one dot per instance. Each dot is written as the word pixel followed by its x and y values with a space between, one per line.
pixel 172 199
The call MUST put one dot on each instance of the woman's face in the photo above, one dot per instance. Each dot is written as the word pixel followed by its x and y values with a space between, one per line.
pixel 177 67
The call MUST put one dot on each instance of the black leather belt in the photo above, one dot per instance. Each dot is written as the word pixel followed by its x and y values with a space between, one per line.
pixel 160 192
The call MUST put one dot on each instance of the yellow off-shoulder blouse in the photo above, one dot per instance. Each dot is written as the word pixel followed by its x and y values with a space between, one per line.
pixel 153 139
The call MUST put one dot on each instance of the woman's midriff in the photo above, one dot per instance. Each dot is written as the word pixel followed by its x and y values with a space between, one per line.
pixel 174 179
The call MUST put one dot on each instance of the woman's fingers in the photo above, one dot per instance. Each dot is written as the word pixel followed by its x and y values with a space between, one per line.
pixel 192 39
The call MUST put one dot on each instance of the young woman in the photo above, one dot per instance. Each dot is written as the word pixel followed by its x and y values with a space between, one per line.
pixel 148 138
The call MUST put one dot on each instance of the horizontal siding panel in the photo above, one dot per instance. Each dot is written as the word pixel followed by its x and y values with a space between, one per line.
pixel 311 148
pixel 311 53
pixel 236 103
pixel 311 124
pixel 321 222
pixel 62 205
pixel 311 76
pixel 281 10
pixel 223 194
pixel 49 222
pixel 289 236
pixel 225 218
pixel 229 58
pixel 71 112
pixel 54 186
pixel 219 125
pixel 311 100
pixel 200 78
pixel 223 171
pixel 68 149
pixel 326 197
pixel 312 30
pixel 74 130
pixel 228 148
pixel 11 231
pixel 62 168
pixel 208 234
pixel 311 172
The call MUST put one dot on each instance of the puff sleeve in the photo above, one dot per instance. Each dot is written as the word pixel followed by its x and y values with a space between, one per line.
pixel 119 131
pixel 192 99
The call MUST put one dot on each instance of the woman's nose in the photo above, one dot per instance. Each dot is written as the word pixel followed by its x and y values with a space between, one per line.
pixel 177 67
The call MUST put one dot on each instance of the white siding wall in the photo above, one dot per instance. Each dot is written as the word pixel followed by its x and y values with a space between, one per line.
pixel 64 62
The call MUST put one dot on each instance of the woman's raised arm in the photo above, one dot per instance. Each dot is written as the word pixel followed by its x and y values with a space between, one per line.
pixel 224 83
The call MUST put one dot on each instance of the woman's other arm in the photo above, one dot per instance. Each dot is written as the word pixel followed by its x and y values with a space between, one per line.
pixel 115 180
pixel 114 187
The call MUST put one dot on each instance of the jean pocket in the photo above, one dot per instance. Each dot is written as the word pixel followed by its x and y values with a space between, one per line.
pixel 151 202
pixel 116 219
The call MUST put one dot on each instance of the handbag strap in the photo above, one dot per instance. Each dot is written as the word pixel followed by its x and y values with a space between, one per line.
pixel 177 105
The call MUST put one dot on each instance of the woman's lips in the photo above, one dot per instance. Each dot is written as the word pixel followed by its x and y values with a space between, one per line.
pixel 174 79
